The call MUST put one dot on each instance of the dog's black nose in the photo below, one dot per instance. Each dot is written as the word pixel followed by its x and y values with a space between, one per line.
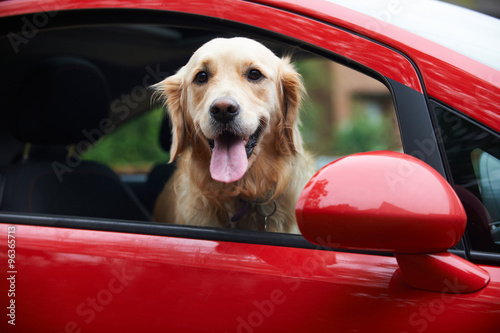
pixel 224 109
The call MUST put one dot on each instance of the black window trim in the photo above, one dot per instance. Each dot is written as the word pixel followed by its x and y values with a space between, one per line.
pixel 170 230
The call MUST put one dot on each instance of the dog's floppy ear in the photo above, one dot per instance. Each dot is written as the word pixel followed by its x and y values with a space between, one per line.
pixel 171 89
pixel 292 90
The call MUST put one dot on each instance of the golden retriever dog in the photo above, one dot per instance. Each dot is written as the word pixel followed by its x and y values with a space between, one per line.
pixel 240 162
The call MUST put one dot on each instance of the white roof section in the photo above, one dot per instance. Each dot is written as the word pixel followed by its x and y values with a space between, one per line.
pixel 470 33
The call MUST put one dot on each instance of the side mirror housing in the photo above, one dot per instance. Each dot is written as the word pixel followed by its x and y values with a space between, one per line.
pixel 392 202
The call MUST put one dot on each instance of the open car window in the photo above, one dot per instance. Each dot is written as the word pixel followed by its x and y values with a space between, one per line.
pixel 100 128
pixel 344 112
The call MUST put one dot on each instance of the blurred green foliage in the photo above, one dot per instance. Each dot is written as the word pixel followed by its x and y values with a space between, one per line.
pixel 316 123
pixel 363 133
pixel 133 146
pixel 371 126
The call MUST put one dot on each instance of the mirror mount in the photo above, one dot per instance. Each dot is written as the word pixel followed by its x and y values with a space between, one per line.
pixel 392 202
pixel 441 272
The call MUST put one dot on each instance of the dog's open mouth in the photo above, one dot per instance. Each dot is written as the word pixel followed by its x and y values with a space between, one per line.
pixel 230 154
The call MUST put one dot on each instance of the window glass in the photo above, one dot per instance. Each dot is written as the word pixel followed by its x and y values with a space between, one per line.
pixel 473 155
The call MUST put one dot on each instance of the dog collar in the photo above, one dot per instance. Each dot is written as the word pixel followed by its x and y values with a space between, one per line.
pixel 243 211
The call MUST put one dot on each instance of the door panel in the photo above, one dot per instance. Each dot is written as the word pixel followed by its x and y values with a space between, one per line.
pixel 71 280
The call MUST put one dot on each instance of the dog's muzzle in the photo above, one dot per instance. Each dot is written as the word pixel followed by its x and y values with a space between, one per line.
pixel 230 151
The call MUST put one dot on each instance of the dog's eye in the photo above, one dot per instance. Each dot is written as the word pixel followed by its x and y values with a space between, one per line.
pixel 254 75
pixel 201 77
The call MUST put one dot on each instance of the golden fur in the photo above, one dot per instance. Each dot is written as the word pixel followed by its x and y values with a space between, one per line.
pixel 278 168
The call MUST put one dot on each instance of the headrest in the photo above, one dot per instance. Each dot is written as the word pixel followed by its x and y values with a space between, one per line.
pixel 59 100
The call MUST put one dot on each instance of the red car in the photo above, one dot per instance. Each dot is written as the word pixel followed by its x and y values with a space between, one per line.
pixel 391 241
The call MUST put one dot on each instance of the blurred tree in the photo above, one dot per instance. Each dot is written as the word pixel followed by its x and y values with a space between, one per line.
pixel 316 117
pixel 133 146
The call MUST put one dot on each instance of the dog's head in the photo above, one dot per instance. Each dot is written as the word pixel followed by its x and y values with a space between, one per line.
pixel 233 97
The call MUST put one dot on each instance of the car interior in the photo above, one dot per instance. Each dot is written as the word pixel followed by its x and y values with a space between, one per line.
pixel 473 154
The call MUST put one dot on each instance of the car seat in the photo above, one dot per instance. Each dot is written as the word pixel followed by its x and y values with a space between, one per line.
pixel 62 104
pixel 160 173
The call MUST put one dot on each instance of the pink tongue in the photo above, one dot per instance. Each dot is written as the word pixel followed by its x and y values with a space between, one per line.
pixel 229 159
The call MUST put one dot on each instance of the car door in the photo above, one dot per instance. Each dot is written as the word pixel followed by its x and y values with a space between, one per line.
pixel 83 274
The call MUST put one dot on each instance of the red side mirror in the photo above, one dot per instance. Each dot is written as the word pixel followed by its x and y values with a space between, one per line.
pixel 386 201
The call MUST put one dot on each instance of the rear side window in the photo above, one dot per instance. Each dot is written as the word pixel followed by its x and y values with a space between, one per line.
pixel 473 155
